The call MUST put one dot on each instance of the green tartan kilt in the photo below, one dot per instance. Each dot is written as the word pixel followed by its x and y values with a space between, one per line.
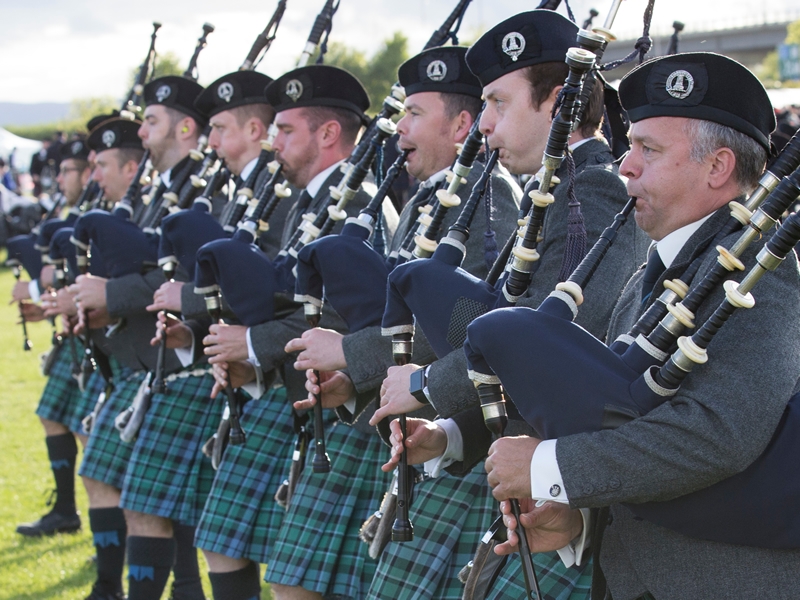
pixel 318 546
pixel 85 404
pixel 241 517
pixel 556 582
pixel 450 515
pixel 106 456
pixel 61 394
pixel 168 475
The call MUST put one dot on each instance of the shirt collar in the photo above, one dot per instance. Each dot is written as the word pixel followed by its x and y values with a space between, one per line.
pixel 316 182
pixel 671 244
pixel 248 168
pixel 435 178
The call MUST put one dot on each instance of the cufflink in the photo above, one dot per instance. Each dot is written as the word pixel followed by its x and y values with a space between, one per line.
pixel 555 490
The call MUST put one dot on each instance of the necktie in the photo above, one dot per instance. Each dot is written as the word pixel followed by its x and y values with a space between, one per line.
pixel 655 267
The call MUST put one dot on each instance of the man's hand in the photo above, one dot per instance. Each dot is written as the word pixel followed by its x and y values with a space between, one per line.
pixel 167 297
pixel 20 292
pixel 395 397
pixel 89 291
pixel 31 312
pixel 226 343
pixel 508 467
pixel 47 275
pixel 425 441
pixel 547 528
pixel 320 349
pixel 60 303
pixel 337 388
pixel 236 373
pixel 97 319
pixel 179 335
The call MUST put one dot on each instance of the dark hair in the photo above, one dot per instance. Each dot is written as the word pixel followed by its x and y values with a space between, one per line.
pixel 127 154
pixel 455 103
pixel 263 112
pixel 545 77
pixel 349 121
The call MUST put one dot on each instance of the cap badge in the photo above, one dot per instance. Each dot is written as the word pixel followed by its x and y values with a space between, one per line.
pixel 294 89
pixel 437 70
pixel 109 137
pixel 163 92
pixel 513 45
pixel 76 147
pixel 225 91
pixel 680 84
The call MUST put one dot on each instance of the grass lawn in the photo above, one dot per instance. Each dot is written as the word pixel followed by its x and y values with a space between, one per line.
pixel 43 568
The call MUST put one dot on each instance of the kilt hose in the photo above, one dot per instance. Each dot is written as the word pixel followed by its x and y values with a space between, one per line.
pixel 556 582
pixel 61 395
pixel 168 475
pixel 318 546
pixel 241 517
pixel 449 514
pixel 106 456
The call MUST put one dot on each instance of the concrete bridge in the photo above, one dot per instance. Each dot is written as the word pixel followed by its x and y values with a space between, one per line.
pixel 747 43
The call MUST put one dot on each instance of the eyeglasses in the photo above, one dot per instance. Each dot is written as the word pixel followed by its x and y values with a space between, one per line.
pixel 65 170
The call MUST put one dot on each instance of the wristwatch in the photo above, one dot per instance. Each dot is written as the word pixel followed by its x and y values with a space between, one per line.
pixel 418 385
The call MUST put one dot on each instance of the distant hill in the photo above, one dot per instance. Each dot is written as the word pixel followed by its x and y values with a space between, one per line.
pixel 16 113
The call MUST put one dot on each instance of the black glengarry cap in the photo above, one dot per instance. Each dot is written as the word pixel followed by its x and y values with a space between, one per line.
pixel 441 69
pixel 175 92
pixel 699 85
pixel 115 133
pixel 317 85
pixel 234 89
pixel 529 38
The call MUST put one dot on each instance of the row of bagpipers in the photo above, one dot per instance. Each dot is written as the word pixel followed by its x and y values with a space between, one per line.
pixel 200 378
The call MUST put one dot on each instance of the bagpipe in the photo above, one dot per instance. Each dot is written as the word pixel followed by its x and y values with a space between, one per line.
pixel 637 374
pixel 133 102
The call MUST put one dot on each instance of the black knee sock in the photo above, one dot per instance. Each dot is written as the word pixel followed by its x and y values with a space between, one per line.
pixel 150 561
pixel 244 584
pixel 187 585
pixel 62 450
pixel 109 529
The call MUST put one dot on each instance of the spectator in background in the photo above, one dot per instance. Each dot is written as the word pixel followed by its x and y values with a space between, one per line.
pixel 6 177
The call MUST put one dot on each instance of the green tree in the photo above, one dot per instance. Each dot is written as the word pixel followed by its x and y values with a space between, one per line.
pixel 768 71
pixel 377 72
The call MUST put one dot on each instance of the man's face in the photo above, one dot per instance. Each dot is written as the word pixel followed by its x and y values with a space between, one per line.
pixel 70 180
pixel 670 188
pixel 229 140
pixel 428 132
pixel 296 147
pixel 110 176
pixel 157 134
pixel 511 124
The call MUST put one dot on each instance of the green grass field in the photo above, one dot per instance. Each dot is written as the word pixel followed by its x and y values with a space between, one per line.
pixel 44 568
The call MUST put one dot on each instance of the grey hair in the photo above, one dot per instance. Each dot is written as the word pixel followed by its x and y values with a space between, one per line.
pixel 708 136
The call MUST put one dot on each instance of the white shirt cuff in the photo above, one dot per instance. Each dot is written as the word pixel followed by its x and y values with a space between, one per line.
pixel 546 481
pixel 452 453
pixel 33 290
pixel 256 388
pixel 572 553
pixel 186 355
pixel 251 354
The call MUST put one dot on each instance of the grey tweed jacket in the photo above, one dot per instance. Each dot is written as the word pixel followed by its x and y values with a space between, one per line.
pixel 720 420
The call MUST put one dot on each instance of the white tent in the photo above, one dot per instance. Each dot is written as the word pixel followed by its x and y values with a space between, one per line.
pixel 25 148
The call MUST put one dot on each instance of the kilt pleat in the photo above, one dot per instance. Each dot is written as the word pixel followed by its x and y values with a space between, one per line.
pixel 449 514
pixel 61 394
pixel 168 475
pixel 85 404
pixel 106 456
pixel 241 517
pixel 318 546
pixel 556 582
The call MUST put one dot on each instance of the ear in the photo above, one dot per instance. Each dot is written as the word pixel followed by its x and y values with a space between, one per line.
pixel 462 124
pixel 130 168
pixel 329 134
pixel 550 101
pixel 86 174
pixel 721 167
pixel 255 130
pixel 185 129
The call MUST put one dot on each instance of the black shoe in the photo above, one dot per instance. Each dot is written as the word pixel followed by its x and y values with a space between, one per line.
pixel 100 595
pixel 51 523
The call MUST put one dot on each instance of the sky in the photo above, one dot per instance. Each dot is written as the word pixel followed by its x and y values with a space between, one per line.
pixel 56 51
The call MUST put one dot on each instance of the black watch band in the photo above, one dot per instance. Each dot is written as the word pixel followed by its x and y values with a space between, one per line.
pixel 417 385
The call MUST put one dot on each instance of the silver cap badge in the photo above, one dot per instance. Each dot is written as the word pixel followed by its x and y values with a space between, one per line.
pixel 225 91
pixel 437 70
pixel 513 45
pixel 680 84
pixel 294 89
pixel 109 137
pixel 163 92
